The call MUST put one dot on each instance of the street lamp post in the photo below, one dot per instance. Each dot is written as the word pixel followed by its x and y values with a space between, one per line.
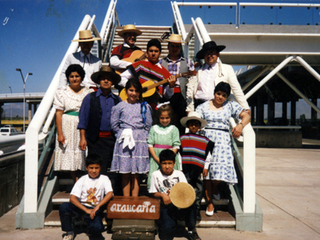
pixel 24 80
pixel 11 105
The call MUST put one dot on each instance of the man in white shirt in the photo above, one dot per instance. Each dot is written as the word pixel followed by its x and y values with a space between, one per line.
pixel 84 58
pixel 214 71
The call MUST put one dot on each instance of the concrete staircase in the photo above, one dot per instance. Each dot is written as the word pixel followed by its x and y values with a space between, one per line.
pixel 222 218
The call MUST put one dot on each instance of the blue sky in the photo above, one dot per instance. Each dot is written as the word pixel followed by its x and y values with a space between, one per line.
pixel 35 34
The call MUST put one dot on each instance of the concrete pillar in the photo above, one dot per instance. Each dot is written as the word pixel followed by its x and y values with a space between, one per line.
pixel 293 112
pixel 253 112
pixel 271 106
pixel 313 112
pixel 284 110
pixel 29 112
pixel 35 105
pixel 260 111
pixel 1 113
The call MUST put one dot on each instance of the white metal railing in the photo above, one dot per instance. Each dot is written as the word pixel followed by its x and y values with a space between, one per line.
pixel 247 4
pixel 32 133
pixel 178 19
pixel 111 17
pixel 276 71
pixel 237 16
pixel 249 142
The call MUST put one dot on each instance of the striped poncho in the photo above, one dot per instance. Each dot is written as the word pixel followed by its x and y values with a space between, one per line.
pixel 195 148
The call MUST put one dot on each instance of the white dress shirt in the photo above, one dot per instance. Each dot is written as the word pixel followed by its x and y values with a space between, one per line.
pixel 90 64
pixel 207 82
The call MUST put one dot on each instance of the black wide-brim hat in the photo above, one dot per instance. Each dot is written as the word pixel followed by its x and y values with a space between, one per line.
pixel 114 77
pixel 209 46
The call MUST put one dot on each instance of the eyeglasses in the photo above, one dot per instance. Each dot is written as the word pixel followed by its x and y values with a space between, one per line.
pixel 130 34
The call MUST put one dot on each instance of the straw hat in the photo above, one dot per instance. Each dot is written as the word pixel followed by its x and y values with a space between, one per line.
pixel 193 116
pixel 115 78
pixel 208 46
pixel 182 195
pixel 129 28
pixel 175 38
pixel 85 36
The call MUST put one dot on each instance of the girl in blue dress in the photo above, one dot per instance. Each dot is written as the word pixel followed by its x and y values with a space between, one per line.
pixel 131 121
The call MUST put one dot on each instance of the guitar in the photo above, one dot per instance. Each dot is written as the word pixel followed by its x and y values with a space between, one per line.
pixel 139 55
pixel 135 56
pixel 149 87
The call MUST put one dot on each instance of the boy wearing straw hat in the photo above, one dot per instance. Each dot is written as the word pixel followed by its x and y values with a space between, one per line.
pixel 129 33
pixel 175 63
pixel 162 182
pixel 84 58
pixel 196 153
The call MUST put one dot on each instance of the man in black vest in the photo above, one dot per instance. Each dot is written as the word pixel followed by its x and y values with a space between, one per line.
pixel 94 117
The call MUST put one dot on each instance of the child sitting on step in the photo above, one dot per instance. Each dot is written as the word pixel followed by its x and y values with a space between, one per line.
pixel 88 198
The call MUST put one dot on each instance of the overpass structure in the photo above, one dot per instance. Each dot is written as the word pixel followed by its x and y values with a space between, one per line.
pixel 274 48
pixel 32 99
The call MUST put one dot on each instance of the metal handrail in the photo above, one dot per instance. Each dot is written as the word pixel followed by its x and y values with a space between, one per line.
pixel 248 4
pixel 32 133
pixel 108 20
pixel 249 143
pixel 108 29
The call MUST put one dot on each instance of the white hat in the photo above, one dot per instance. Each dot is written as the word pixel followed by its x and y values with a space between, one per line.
pixel 193 116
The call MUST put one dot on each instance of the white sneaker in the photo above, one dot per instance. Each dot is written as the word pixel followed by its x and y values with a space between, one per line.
pixel 67 236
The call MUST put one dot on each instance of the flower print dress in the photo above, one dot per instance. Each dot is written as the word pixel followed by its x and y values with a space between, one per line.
pixel 217 130
pixel 70 158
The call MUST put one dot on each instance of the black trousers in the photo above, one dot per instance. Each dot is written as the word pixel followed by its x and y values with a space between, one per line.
pixel 178 104
pixel 193 176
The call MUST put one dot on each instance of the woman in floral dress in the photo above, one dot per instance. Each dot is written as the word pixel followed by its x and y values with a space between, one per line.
pixel 67 102
pixel 217 113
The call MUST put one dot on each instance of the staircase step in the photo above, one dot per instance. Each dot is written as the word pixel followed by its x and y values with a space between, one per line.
pixel 219 219
pixel 60 197
pixel 53 219
pixel 222 202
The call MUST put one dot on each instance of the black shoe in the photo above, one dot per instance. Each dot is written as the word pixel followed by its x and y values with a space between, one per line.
pixel 96 237
pixel 193 235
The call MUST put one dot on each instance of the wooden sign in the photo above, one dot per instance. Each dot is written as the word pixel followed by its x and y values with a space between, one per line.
pixel 133 208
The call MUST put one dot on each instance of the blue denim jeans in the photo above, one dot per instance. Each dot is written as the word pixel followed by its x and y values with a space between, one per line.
pixel 67 211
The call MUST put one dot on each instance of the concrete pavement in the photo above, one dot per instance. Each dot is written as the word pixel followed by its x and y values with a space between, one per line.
pixel 287 187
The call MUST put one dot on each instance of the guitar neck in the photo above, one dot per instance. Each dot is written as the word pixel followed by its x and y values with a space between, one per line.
pixel 161 82
pixel 143 56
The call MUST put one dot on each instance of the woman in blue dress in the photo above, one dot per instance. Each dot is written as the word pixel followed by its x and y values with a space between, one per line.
pixel 217 113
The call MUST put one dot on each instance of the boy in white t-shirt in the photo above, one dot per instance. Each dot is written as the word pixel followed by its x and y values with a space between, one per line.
pixel 162 181
pixel 88 198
